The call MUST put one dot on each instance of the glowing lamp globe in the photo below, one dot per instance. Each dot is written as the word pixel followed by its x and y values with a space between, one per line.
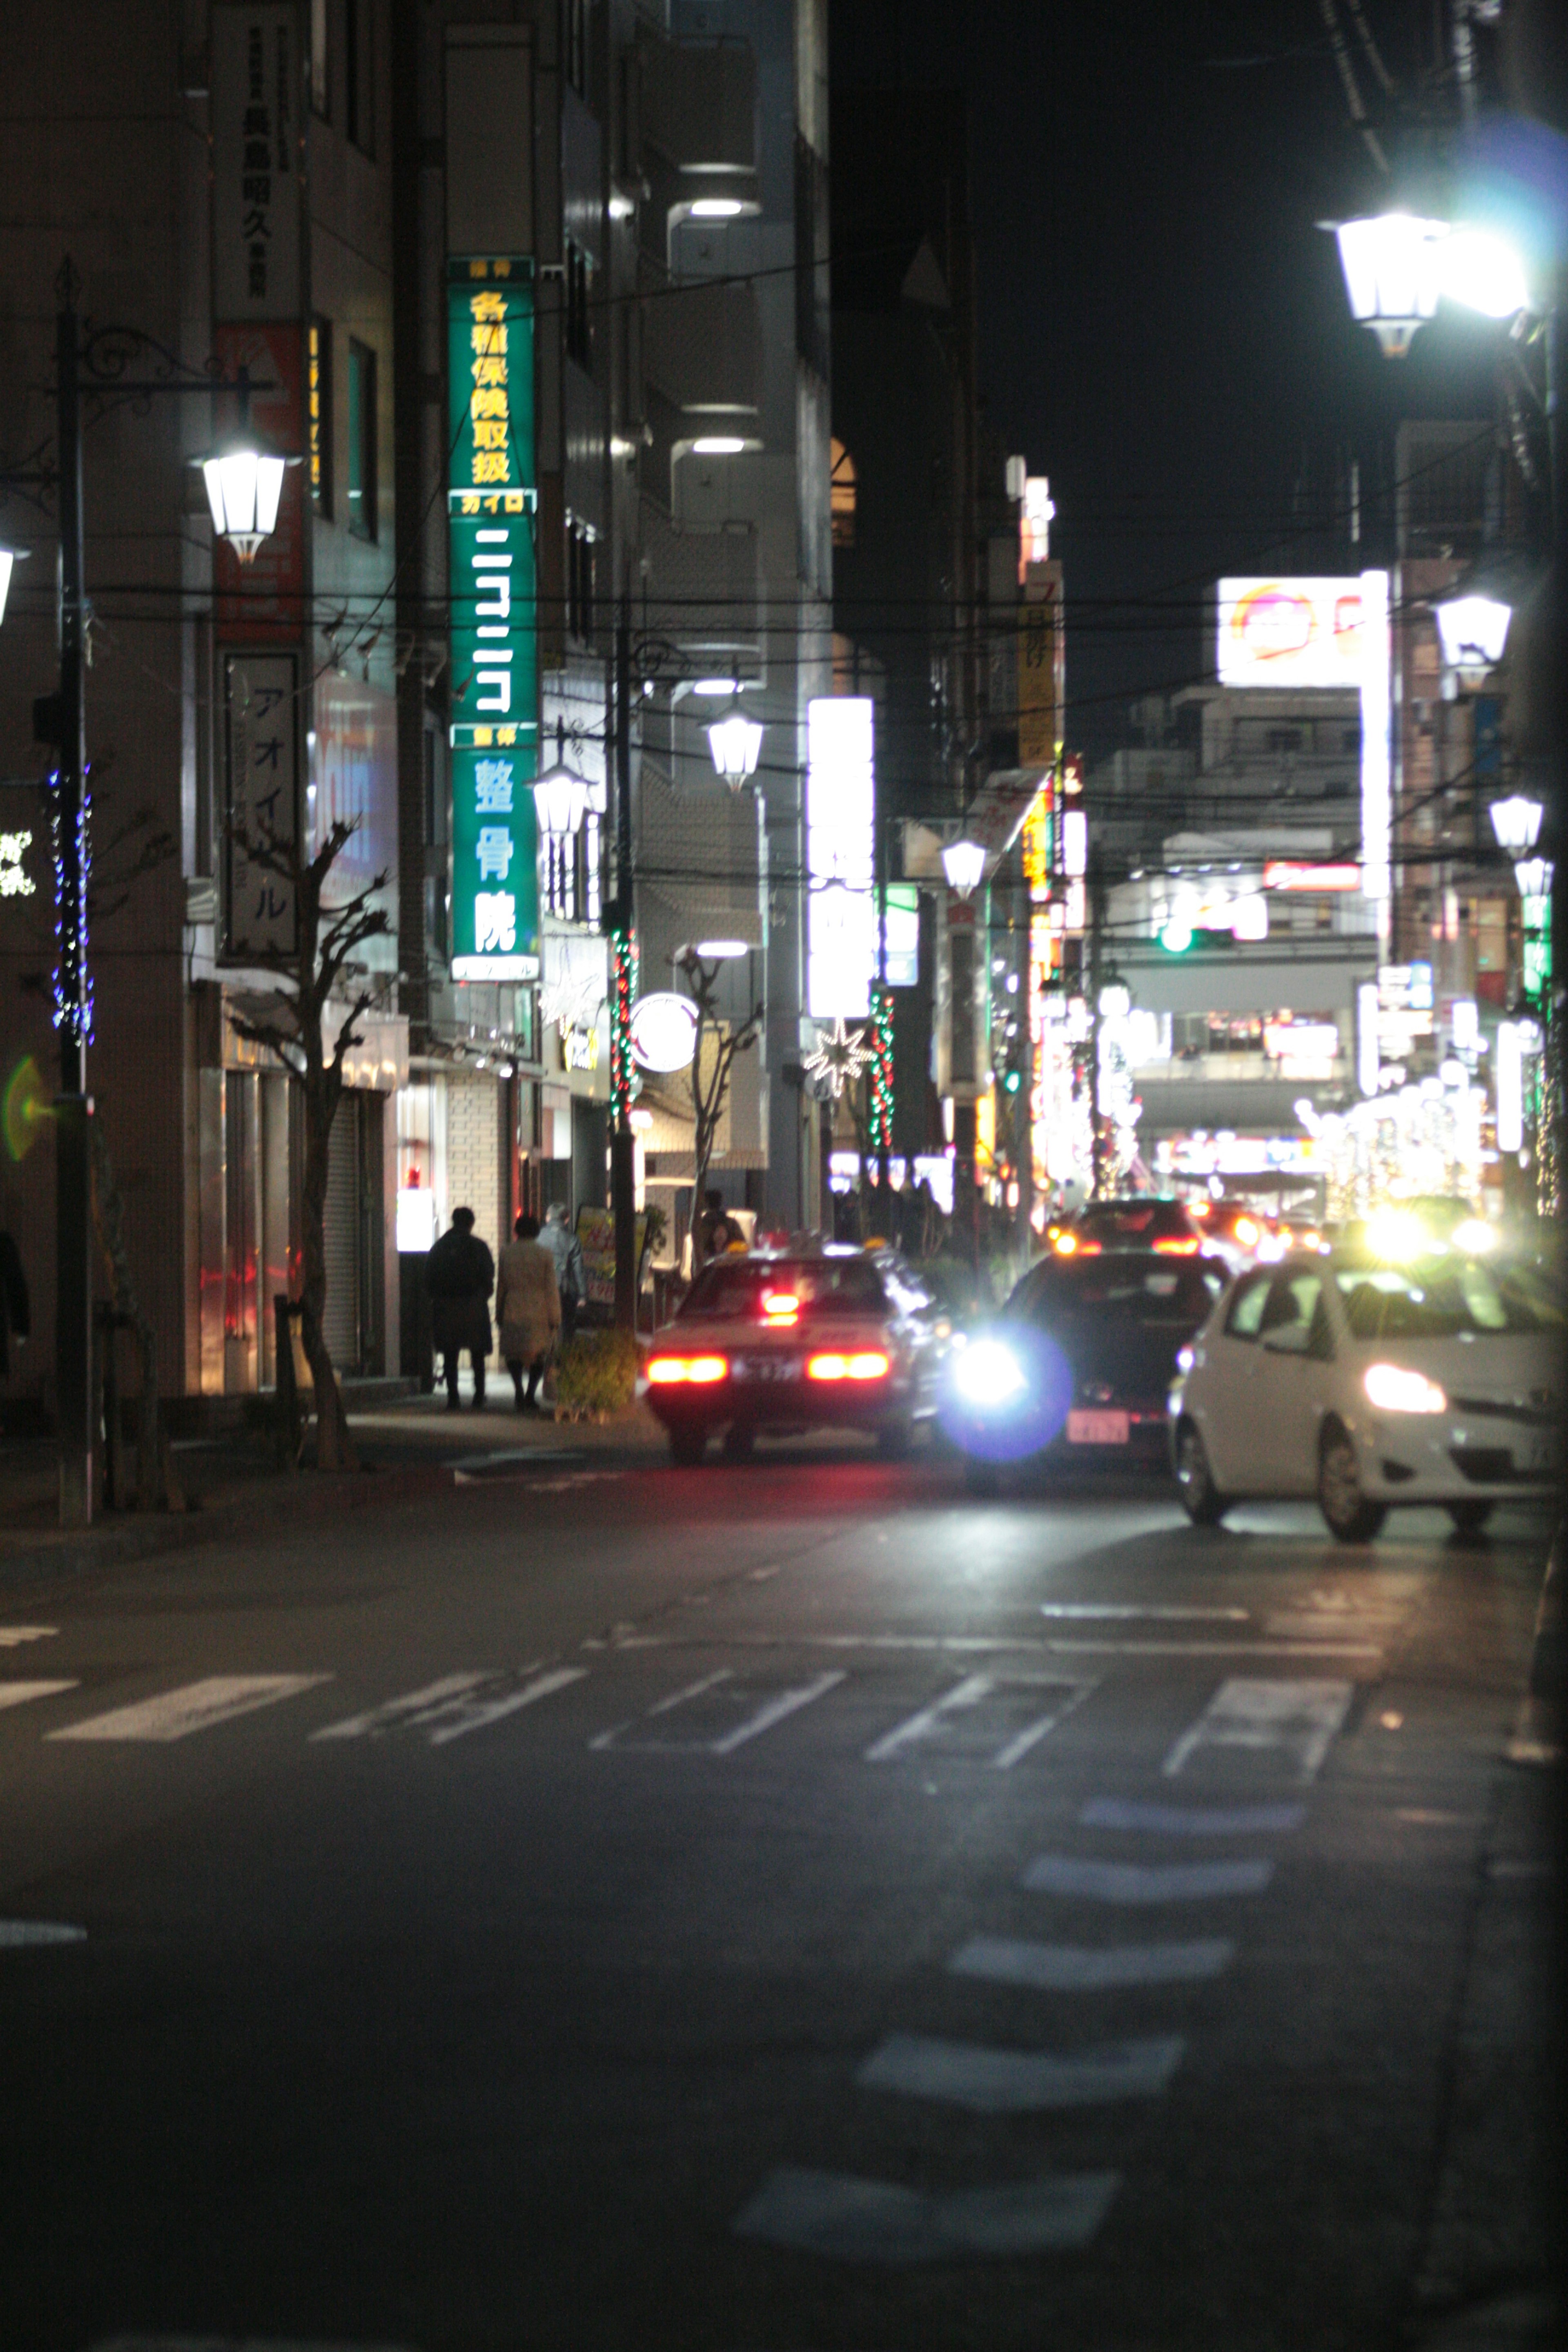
pixel 1517 822
pixel 1392 268
pixel 1484 273
pixel 735 742
pixel 244 483
pixel 1472 631
pixel 1534 875
pixel 964 863
pixel 561 799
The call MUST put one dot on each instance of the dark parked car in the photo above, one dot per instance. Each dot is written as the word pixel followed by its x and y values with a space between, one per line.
pixel 1078 1366
pixel 1139 1222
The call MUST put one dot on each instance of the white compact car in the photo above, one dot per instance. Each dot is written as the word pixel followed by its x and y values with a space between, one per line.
pixel 1369 1384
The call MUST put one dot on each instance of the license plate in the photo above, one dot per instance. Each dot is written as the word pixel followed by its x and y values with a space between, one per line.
pixel 769 1368
pixel 1098 1429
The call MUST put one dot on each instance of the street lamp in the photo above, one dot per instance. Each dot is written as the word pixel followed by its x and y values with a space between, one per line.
pixel 1534 875
pixel 735 742
pixel 244 482
pixel 1472 630
pixel 964 863
pixel 1392 273
pixel 1517 822
pixel 9 557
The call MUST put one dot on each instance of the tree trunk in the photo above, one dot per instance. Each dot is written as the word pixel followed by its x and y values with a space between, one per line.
pixel 334 1447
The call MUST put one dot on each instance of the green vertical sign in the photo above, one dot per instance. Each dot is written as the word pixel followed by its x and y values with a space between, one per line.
pixel 492 502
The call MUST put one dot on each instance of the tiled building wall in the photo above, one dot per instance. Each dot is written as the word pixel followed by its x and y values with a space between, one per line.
pixel 473 1154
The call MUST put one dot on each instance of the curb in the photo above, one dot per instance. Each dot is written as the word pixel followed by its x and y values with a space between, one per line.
pixel 1538 1730
pixel 313 1494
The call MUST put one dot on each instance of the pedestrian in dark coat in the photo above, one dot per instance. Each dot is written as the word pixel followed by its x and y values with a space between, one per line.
pixel 461 1274
pixel 16 1318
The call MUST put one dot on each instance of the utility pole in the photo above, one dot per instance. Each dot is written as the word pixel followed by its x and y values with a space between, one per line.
pixel 1096 926
pixel 73 1219
pixel 623 1144
pixel 884 1140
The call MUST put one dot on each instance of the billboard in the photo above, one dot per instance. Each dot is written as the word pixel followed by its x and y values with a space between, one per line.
pixel 494 730
pixel 840 814
pixel 1290 632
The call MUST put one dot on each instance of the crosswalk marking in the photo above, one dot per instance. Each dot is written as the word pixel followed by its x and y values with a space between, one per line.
pixel 1125 1609
pixel 847 2218
pixel 772 1710
pixel 1296 1718
pixel 1130 1881
pixel 413 1707
pixel 22 1935
pixel 1089 1968
pixel 13 1636
pixel 970 1693
pixel 1191 1820
pixel 474 1714
pixel 18 1694
pixel 991 2082
pixel 196 1707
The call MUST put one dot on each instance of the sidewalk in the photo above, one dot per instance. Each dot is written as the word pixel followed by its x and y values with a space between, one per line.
pixel 408 1449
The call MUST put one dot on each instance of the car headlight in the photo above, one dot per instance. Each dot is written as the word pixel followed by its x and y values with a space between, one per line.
pixel 1395 1388
pixel 989 1374
pixel 1184 1360
pixel 1475 1237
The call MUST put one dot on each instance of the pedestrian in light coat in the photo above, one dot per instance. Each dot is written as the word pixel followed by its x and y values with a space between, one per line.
pixel 461 1274
pixel 528 1308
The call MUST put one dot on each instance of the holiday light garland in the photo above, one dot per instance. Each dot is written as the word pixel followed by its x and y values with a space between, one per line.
pixel 623 987
pixel 73 1007
pixel 880 1085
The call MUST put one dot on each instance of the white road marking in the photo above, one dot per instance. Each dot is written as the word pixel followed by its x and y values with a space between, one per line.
pixel 1191 1820
pixel 1020 2081
pixel 18 1694
pixel 465 1715
pixel 195 1707
pixel 1134 1608
pixel 1300 1719
pixel 1089 1968
pixel 972 1693
pixel 772 1710
pixel 413 1707
pixel 13 1636
pixel 19 1935
pixel 1131 1882
pixel 1222 1649
pixel 855 2221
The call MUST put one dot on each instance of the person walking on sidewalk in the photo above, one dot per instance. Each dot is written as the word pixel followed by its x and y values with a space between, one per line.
pixel 528 1308
pixel 566 1251
pixel 461 1274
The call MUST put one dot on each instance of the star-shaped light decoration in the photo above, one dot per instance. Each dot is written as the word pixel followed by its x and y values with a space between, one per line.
pixel 840 1058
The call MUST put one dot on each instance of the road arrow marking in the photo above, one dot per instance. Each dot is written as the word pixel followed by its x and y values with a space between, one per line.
pixel 1299 1718
pixel 18 1694
pixel 13 1636
pixel 855 2221
pixel 465 1715
pixel 196 1707
pixel 1191 1820
pixel 1020 2081
pixel 413 1707
pixel 1089 1968
pixel 1130 1882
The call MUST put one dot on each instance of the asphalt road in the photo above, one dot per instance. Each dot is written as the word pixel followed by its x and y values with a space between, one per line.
pixel 789 1908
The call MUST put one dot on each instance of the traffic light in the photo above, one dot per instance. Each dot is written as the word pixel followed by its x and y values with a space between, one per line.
pixel 1012 1080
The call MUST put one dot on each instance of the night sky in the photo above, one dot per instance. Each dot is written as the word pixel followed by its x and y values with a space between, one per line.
pixel 1163 330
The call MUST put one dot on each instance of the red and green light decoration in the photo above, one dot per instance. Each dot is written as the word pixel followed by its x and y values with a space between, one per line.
pixel 622 988
pixel 879 1082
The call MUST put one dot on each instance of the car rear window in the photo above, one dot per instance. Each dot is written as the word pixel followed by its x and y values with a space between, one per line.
pixel 737 1290
pixel 1121 1290
pixel 1438 1300
pixel 1136 1221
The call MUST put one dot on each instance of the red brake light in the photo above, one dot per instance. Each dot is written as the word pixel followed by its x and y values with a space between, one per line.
pixel 779 1306
pixel 1174 1248
pixel 669 1371
pixel 868 1365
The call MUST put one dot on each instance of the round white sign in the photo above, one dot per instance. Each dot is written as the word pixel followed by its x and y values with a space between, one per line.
pixel 663 1028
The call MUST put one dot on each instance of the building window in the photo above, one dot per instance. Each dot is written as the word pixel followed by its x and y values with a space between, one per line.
pixel 321 88
pixel 579 323
pixel 318 406
pixel 581 565
pixel 362 502
pixel 1285 739
pixel 358 113
pixel 577 46
pixel 842 495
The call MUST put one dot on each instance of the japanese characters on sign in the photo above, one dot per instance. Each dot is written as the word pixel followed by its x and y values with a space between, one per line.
pixel 254 183
pixel 1040 657
pixel 494 651
pixel 261 724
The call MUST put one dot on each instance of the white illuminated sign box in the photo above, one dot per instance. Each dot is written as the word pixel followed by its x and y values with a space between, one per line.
pixel 1290 632
pixel 841 938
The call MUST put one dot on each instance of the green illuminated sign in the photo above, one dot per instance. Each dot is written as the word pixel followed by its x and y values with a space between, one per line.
pixel 492 587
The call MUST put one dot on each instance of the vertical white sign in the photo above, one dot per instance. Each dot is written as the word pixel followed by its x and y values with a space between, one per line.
pixel 261 719
pixel 840 818
pixel 1376 793
pixel 1510 1087
pixel 1367 1040
pixel 255 165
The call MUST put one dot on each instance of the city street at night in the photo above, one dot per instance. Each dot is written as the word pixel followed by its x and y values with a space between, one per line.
pixel 781 1906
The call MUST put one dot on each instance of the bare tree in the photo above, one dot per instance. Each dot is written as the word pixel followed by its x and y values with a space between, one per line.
pixel 716 1045
pixel 327 939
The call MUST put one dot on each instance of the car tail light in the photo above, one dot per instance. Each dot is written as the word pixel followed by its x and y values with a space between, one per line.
pixel 1247 1231
pixel 1174 1248
pixel 869 1365
pixel 1075 1246
pixel 701 1372
pixel 779 1306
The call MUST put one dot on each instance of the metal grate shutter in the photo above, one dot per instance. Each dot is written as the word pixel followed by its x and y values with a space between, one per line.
pixel 342 1320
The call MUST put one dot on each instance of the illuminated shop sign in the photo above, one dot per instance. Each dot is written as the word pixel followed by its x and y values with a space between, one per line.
pixel 492 502
pixel 1290 632
pixel 841 954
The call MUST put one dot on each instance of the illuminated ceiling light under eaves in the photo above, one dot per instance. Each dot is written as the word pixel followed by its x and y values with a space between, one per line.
pixel 718 444
pixel 721 951
pixel 716 208
pixel 715 686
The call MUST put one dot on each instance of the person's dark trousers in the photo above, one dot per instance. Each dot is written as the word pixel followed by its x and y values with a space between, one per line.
pixel 515 1367
pixel 568 1320
pixel 479 1364
pixel 535 1374
pixel 449 1362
